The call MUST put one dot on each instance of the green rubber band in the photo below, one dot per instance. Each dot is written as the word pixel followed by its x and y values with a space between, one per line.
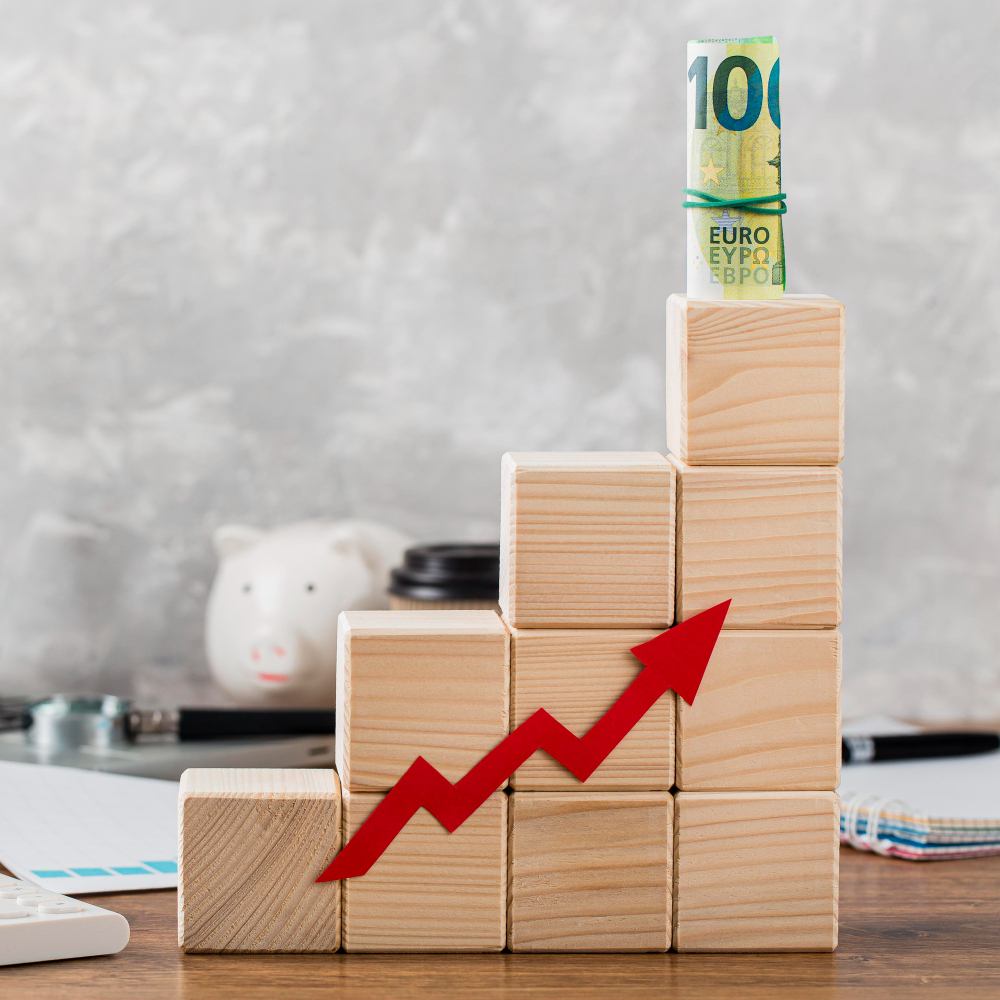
pixel 750 204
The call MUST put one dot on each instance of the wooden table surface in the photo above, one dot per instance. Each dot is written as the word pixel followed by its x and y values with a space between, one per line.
pixel 906 929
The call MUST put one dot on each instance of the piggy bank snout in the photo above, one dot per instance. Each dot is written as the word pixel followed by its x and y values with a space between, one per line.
pixel 275 658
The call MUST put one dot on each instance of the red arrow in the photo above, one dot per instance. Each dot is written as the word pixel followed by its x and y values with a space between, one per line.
pixel 675 659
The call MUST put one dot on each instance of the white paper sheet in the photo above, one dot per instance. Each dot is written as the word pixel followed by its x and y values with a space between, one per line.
pixel 945 788
pixel 75 831
pixel 877 725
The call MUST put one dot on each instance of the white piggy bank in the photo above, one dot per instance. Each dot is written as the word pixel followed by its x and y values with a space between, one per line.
pixel 271 623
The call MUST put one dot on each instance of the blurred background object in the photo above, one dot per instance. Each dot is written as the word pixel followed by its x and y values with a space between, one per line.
pixel 105 733
pixel 271 623
pixel 284 260
pixel 447 576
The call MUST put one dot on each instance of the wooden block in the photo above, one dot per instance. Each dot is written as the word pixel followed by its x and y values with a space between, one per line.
pixel 767 714
pixel 590 871
pixel 577 675
pixel 252 843
pixel 769 538
pixel 587 540
pixel 431 890
pixel 756 871
pixel 756 383
pixel 411 684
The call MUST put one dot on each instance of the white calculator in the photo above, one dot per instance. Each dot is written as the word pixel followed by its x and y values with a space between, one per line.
pixel 37 925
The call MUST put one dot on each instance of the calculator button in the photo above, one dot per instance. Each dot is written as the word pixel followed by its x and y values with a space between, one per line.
pixel 12 914
pixel 33 898
pixel 59 906
pixel 16 889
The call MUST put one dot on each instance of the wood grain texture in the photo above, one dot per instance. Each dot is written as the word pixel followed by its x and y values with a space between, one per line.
pixel 577 675
pixel 252 842
pixel 767 715
pixel 418 683
pixel 755 871
pixel 431 890
pixel 756 383
pixel 590 871
pixel 906 929
pixel 587 540
pixel 769 538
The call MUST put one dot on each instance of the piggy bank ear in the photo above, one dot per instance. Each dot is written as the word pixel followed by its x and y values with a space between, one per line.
pixel 233 538
pixel 345 539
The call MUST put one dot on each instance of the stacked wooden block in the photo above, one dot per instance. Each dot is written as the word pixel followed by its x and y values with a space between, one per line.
pixel 409 684
pixel 710 827
pixel 431 684
pixel 586 573
pixel 755 395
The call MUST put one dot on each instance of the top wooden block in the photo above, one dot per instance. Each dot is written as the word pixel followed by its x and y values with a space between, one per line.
pixel 431 684
pixel 587 540
pixel 756 382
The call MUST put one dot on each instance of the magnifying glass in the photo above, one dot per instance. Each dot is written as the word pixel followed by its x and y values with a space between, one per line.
pixel 63 722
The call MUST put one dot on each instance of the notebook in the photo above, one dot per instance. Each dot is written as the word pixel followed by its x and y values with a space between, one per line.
pixel 921 809
pixel 75 831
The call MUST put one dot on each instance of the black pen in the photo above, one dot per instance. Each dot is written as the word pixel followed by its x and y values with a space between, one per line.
pixel 914 746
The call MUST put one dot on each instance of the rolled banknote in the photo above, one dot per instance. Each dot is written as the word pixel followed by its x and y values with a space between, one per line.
pixel 734 200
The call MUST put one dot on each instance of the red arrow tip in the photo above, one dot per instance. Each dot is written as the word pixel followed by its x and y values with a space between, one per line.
pixel 686 648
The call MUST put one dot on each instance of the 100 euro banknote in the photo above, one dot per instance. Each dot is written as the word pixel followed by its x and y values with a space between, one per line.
pixel 734 155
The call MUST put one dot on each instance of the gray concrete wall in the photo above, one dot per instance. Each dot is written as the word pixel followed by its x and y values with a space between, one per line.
pixel 267 260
